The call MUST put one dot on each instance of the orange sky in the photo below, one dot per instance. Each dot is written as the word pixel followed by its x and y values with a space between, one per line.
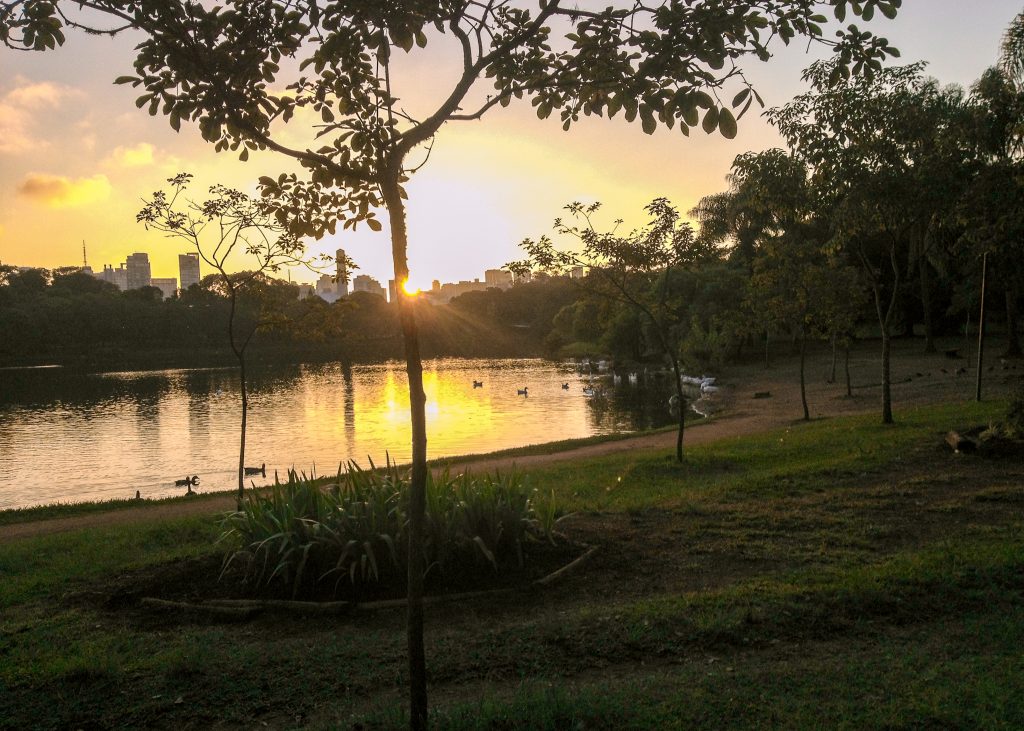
pixel 76 156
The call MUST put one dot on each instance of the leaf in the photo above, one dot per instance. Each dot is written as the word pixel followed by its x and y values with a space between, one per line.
pixel 710 123
pixel 647 120
pixel 741 97
pixel 727 124
pixel 374 224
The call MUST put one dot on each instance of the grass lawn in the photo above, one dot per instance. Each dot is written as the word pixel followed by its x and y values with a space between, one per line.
pixel 836 574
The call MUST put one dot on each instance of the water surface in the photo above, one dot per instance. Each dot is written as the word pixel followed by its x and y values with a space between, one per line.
pixel 68 437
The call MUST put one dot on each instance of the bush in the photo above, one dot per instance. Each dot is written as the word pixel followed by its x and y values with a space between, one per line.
pixel 302 533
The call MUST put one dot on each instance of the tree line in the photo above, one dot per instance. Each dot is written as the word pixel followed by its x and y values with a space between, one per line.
pixel 68 317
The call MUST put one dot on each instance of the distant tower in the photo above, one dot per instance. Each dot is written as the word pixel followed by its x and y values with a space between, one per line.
pixel 188 269
pixel 139 274
pixel 342 273
pixel 86 269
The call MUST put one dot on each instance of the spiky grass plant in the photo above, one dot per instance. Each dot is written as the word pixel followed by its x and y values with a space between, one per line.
pixel 302 533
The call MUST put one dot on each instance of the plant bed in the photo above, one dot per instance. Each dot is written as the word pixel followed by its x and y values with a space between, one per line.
pixel 195 589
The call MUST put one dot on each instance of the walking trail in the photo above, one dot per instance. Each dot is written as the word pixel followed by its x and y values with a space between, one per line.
pixel 917 379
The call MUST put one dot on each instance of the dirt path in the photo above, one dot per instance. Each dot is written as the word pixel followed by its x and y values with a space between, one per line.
pixel 917 379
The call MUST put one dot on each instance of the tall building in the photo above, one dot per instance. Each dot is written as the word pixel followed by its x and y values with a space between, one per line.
pixel 139 274
pixel 118 277
pixel 364 283
pixel 188 269
pixel 342 273
pixel 392 292
pixel 498 278
pixel 326 289
pixel 168 286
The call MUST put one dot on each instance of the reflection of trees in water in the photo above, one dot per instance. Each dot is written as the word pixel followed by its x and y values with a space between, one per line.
pixel 348 407
pixel 643 406
pixel 276 379
pixel 48 388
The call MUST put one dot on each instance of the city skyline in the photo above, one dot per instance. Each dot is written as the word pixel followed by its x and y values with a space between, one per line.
pixel 78 157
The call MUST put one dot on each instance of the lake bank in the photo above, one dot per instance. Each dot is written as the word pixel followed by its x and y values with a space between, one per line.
pixel 790 578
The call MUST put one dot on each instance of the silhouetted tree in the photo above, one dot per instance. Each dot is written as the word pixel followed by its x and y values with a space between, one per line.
pixel 220 67
pixel 224 228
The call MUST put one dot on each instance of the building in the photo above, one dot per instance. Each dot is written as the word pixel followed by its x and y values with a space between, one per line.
pixel 188 269
pixel 118 277
pixel 392 292
pixel 139 273
pixel 498 278
pixel 169 286
pixel 342 273
pixel 326 289
pixel 576 273
pixel 364 283
pixel 306 290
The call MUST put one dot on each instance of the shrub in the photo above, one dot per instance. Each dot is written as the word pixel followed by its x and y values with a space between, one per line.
pixel 302 533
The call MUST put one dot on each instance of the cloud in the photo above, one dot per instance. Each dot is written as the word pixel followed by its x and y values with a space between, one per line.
pixel 18 108
pixel 140 155
pixel 55 191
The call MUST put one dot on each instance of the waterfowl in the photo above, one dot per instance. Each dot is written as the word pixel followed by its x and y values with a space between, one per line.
pixel 565 386
pixel 478 384
pixel 522 391
pixel 261 470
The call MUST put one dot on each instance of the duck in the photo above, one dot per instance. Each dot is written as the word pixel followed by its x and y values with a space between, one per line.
pixel 261 470
pixel 187 482
pixel 478 384
pixel 589 391
pixel 522 391
pixel 565 386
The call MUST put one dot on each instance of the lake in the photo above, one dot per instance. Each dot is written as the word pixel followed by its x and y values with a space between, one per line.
pixel 67 437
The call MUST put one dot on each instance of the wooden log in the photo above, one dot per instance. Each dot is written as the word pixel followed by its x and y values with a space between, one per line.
pixel 284 605
pixel 237 614
pixel 567 569
pixel 762 394
pixel 440 599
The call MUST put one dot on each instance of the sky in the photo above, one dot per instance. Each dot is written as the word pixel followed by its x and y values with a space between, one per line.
pixel 77 158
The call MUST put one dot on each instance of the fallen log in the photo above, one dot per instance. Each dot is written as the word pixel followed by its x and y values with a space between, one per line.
pixel 285 605
pixel 567 569
pixel 237 614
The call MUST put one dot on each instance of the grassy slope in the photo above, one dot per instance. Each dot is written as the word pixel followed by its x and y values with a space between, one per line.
pixel 841 622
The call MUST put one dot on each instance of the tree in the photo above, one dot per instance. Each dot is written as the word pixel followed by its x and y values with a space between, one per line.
pixel 867 142
pixel 635 269
pixel 221 67
pixel 220 228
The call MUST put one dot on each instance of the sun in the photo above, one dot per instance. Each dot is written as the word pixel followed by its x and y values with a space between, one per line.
pixel 410 288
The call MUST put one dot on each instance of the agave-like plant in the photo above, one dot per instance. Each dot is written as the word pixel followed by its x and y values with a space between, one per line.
pixel 302 532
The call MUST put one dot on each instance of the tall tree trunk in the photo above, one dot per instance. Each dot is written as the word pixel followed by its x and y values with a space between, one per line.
pixel 835 348
pixel 886 378
pixel 245 416
pixel 1012 341
pixel 849 383
pixel 926 306
pixel 981 327
pixel 803 380
pixel 682 408
pixel 391 193
pixel 240 355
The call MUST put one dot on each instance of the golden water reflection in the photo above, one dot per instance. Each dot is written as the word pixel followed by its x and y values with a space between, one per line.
pixel 67 437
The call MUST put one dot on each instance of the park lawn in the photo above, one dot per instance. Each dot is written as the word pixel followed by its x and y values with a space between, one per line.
pixel 834 574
